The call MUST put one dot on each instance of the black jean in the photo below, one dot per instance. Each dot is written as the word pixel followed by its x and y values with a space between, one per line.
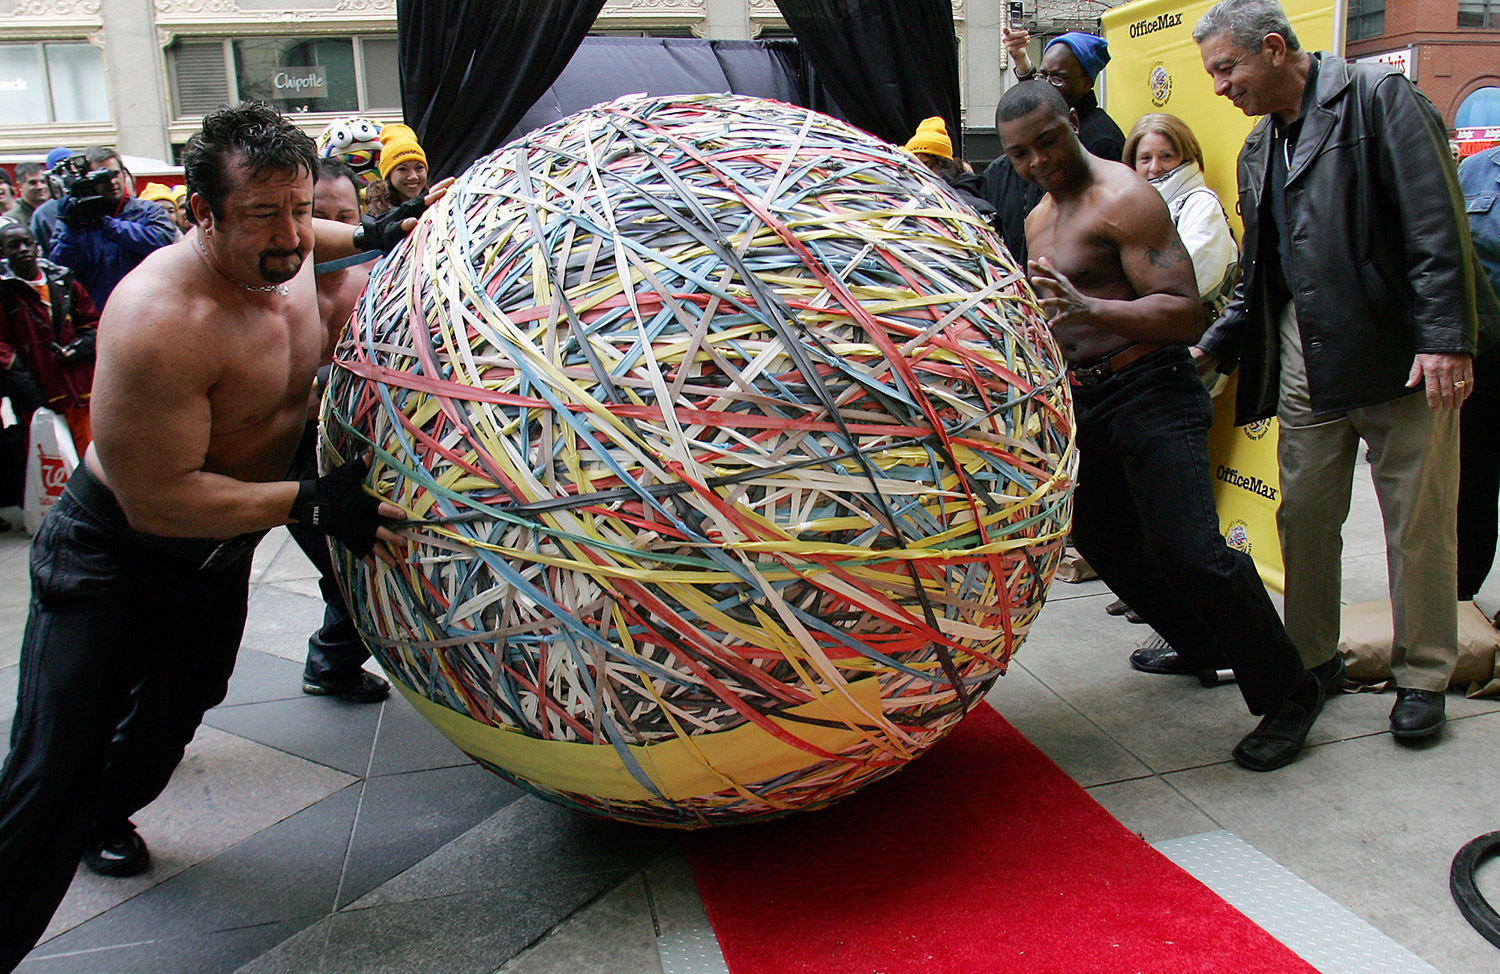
pixel 1144 518
pixel 128 642
pixel 335 652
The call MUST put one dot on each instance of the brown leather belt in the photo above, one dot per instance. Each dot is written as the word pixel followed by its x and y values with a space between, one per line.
pixel 1092 373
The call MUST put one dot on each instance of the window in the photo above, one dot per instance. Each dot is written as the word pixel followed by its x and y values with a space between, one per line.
pixel 52 81
pixel 1366 18
pixel 294 73
pixel 297 74
pixel 1481 109
pixel 1479 13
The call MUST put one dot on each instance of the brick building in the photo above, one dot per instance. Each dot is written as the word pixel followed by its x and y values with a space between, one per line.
pixel 1450 48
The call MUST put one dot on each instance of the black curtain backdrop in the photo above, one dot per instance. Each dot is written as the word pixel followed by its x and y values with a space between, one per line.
pixel 888 63
pixel 471 68
pixel 604 68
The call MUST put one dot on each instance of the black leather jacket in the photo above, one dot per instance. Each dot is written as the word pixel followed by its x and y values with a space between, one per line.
pixel 1379 245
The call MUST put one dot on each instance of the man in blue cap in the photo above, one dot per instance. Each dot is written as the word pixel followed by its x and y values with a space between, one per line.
pixel 44 220
pixel 1070 62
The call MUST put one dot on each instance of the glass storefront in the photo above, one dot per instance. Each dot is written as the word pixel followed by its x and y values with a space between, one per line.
pixel 54 81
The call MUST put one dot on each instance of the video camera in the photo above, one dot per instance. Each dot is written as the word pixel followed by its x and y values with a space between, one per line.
pixel 72 177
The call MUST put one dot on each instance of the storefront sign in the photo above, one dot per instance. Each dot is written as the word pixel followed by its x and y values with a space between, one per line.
pixel 1400 60
pixel 298 83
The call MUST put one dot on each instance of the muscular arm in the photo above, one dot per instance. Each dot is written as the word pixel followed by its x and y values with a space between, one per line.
pixel 1156 266
pixel 152 416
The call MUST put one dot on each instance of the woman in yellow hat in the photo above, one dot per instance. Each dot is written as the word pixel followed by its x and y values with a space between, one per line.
pixel 403 170
pixel 934 149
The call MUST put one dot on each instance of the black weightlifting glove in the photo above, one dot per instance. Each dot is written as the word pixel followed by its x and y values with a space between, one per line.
pixel 384 233
pixel 335 504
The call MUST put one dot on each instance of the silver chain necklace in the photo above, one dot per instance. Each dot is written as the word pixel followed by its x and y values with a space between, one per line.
pixel 281 289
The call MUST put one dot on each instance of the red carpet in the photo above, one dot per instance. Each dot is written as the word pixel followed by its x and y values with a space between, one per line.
pixel 980 857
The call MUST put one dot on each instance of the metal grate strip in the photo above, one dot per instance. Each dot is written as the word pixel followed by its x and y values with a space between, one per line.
pixel 1312 924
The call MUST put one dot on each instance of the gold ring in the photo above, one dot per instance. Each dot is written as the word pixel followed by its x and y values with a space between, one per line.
pixel 1460 383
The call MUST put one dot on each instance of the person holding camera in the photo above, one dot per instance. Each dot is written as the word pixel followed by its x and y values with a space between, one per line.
pixel 102 231
pixel 47 325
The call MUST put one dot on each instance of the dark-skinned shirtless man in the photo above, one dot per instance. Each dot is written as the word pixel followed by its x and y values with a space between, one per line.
pixel 140 572
pixel 1118 289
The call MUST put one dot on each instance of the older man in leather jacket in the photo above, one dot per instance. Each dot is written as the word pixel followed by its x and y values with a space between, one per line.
pixel 1355 319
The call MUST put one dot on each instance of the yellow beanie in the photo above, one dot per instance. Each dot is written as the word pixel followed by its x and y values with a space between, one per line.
pixel 398 144
pixel 156 193
pixel 932 138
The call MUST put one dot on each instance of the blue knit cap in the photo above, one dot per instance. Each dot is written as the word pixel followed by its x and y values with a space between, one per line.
pixel 1092 52
pixel 58 155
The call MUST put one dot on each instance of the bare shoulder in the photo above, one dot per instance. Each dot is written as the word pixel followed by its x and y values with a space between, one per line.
pixel 160 316
pixel 1124 198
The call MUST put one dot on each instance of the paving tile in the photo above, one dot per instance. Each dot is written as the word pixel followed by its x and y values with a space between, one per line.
pixel 469 933
pixel 10 682
pixel 267 552
pixel 322 729
pixel 15 593
pixel 405 741
pixel 612 935
pixel 1081 655
pixel 280 621
pixel 218 952
pixel 1375 825
pixel 403 818
pixel 260 677
pixel 226 790
pixel 1074 743
pixel 289 871
pixel 1152 808
pixel 531 842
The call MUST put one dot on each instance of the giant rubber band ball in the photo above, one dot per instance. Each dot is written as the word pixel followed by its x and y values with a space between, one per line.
pixel 742 450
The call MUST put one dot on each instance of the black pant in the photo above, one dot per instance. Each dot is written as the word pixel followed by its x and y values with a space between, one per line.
pixel 335 652
pixel 1479 475
pixel 128 642
pixel 1144 518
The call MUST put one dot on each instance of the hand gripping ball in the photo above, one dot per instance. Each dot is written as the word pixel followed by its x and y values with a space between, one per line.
pixel 741 454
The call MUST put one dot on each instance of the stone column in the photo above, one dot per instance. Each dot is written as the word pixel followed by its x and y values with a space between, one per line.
pixel 727 20
pixel 135 69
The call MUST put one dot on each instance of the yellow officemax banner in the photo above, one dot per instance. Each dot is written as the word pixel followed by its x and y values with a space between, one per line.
pixel 1155 67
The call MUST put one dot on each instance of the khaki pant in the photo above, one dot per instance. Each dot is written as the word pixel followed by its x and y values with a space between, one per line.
pixel 1414 464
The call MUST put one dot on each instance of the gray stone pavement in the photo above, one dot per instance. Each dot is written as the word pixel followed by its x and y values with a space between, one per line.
pixel 305 835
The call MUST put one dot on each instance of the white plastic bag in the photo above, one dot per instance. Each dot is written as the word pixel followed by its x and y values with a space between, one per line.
pixel 50 460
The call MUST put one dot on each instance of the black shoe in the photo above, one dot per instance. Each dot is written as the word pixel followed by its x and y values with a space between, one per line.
pixel 1330 674
pixel 1133 616
pixel 1117 607
pixel 119 853
pixel 362 687
pixel 1164 659
pixel 1279 736
pixel 1418 713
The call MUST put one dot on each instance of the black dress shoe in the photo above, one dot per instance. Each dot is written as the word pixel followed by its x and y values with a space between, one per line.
pixel 1117 607
pixel 119 853
pixel 1418 713
pixel 1279 736
pixel 362 687
pixel 1164 659
pixel 1330 674
pixel 1133 616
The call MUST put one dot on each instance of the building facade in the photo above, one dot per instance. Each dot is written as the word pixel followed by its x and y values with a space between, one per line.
pixel 139 74
pixel 1448 47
